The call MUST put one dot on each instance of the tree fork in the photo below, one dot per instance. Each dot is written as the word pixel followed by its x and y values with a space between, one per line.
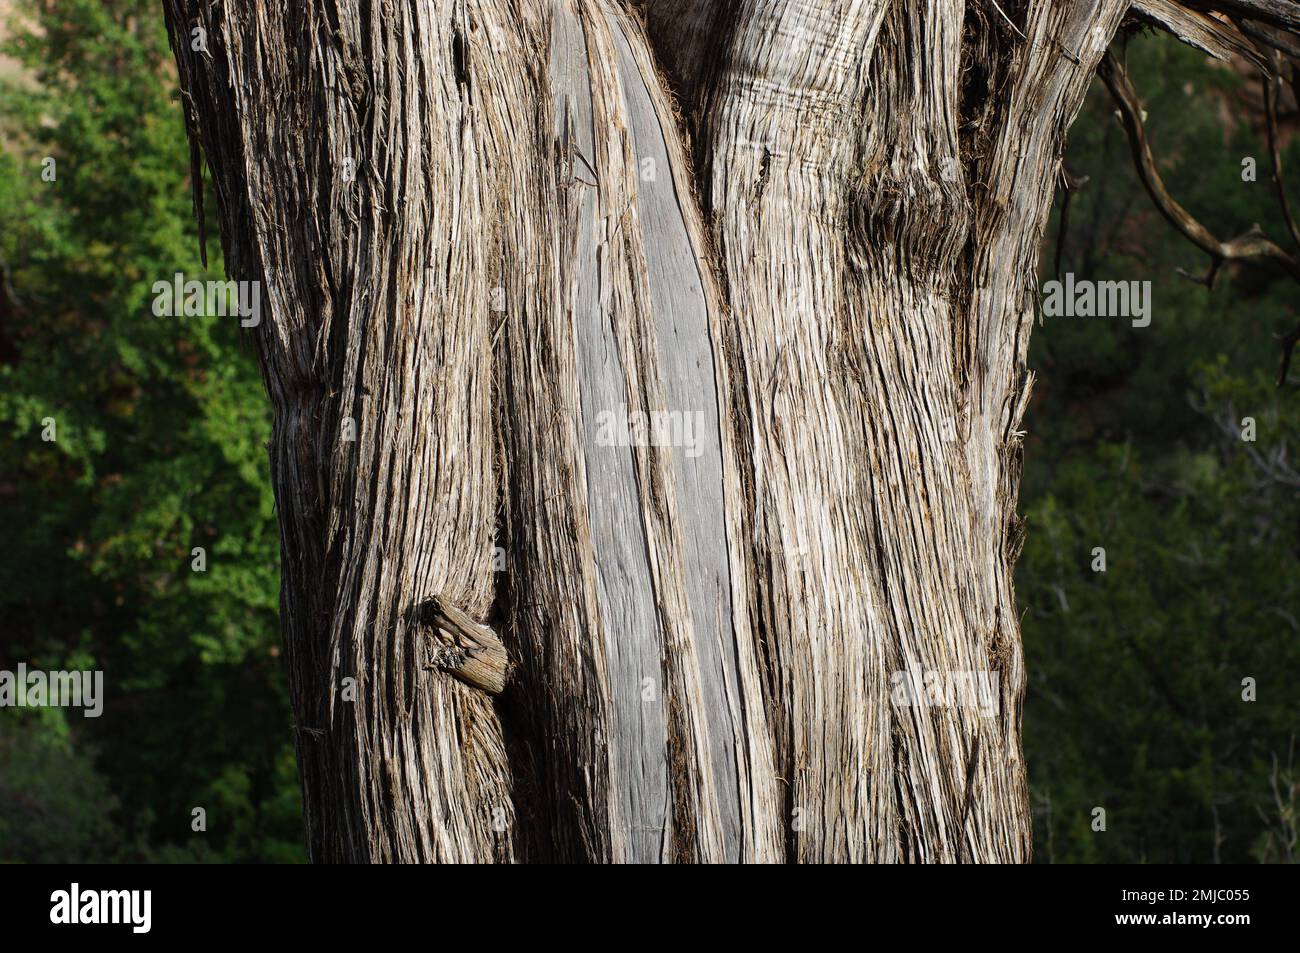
pixel 479 236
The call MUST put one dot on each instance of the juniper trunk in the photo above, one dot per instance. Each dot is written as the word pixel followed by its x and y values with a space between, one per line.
pixel 728 361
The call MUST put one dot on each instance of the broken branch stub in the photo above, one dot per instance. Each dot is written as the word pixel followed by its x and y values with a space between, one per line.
pixel 464 648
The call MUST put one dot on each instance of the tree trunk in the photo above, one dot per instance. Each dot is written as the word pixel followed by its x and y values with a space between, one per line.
pixel 729 363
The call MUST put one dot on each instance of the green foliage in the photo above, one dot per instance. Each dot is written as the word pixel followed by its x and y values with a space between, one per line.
pixel 1135 674
pixel 54 806
pixel 161 425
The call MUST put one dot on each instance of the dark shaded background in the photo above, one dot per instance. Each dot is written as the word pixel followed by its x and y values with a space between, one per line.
pixel 1135 675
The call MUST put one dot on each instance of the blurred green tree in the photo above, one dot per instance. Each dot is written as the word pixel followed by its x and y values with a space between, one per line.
pixel 160 425
pixel 1135 674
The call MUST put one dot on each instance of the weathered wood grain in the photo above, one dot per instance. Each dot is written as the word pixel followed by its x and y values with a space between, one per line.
pixel 486 231
pixel 1194 28
pixel 629 334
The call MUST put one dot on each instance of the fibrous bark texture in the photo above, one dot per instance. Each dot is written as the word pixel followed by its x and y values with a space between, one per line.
pixel 717 333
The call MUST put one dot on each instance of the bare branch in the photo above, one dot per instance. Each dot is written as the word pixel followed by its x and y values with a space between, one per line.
pixel 1253 244
pixel 1271 82
pixel 1283 13
pixel 1270 37
pixel 1273 467
pixel 1196 29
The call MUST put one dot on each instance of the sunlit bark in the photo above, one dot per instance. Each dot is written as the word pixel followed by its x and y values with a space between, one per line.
pixel 498 236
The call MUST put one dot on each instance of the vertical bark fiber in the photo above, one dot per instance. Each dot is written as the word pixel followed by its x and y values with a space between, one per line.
pixel 482 247
pixel 877 220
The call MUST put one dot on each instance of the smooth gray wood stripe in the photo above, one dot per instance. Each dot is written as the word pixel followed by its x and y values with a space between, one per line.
pixel 685 357
pixel 633 637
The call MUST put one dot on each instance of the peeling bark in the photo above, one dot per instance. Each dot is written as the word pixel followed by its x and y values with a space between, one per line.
pixel 482 240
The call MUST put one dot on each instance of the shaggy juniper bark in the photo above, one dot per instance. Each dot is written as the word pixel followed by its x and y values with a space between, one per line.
pixel 481 241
